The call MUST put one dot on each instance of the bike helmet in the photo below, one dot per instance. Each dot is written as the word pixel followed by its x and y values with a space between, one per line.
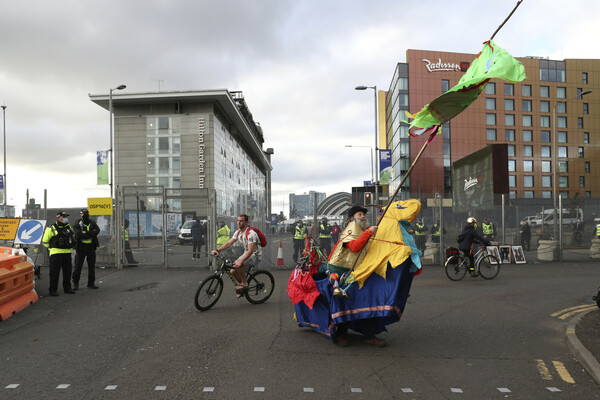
pixel 471 220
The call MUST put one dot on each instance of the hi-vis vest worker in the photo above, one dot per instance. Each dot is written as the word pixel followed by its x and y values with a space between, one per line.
pixel 435 231
pixel 85 227
pixel 223 234
pixel 421 231
pixel 598 231
pixel 58 238
pixel 325 231
pixel 300 232
pixel 488 229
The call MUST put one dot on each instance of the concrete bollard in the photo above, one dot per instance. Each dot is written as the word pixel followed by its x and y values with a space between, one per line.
pixel 547 250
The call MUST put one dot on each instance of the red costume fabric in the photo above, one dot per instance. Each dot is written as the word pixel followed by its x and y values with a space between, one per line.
pixel 302 287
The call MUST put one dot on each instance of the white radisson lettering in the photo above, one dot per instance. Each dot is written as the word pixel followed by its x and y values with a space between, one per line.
pixel 441 66
pixel 469 183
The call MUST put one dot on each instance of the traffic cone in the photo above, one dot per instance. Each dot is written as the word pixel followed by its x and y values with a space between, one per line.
pixel 280 262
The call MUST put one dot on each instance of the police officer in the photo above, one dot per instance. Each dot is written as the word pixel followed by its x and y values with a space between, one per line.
pixel 86 237
pixel 325 237
pixel 420 230
pixel 488 229
pixel 59 239
pixel 223 234
pixel 436 232
pixel 299 233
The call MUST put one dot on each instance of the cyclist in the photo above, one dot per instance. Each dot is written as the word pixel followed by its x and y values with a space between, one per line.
pixel 470 235
pixel 252 252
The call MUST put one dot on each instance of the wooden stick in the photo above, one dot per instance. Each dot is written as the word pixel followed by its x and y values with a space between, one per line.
pixel 507 18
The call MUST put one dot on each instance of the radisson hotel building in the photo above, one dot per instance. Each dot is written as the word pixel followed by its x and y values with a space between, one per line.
pixel 530 117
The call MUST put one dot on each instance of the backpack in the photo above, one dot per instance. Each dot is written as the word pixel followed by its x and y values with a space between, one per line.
pixel 261 236
pixel 460 238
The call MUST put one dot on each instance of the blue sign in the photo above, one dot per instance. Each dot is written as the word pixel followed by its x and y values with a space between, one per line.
pixel 385 166
pixel 1 181
pixel 30 231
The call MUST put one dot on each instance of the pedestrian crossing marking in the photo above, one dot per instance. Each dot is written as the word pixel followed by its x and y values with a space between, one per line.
pixel 569 312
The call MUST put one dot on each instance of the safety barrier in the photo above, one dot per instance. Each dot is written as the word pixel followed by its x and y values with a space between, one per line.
pixel 16 282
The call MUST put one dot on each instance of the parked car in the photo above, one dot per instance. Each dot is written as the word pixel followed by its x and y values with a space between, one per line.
pixel 185 233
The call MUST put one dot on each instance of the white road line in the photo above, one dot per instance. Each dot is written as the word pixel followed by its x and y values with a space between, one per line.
pixel 553 389
pixel 208 389
pixel 406 390
pixel 12 386
pixel 63 386
pixel 110 387
pixel 504 390
pixel 309 390
pixel 259 389
pixel 456 390
pixel 355 390
pixel 160 388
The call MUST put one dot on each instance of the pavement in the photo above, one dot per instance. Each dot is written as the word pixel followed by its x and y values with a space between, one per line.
pixel 583 339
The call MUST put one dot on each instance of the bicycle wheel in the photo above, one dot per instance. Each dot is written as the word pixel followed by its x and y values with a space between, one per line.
pixel 488 266
pixel 456 268
pixel 208 293
pixel 260 287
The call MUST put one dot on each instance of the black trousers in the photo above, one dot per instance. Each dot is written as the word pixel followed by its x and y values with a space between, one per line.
pixel 57 263
pixel 86 251
pixel 298 247
pixel 325 244
pixel 129 254
pixel 197 248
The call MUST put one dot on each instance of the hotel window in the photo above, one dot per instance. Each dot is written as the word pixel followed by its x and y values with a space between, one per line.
pixel 584 78
pixel 545 136
pixel 528 136
pixel 546 151
pixel 509 120
pixel 586 108
pixel 563 181
pixel 586 137
pixel 588 194
pixel 512 181
pixel 562 151
pixel 579 91
pixel 561 92
pixel 562 137
pixel 586 167
pixel 491 134
pixel 509 104
pixel 511 150
pixel 528 181
pixel 526 105
pixel 445 85
pixel 512 165
pixel 546 166
pixel 561 107
pixel 544 106
pixel 527 151
pixel 582 181
pixel 544 91
pixel 545 121
pixel 563 166
pixel 546 194
pixel 580 152
pixel 526 90
pixel 510 135
pixel 490 103
pixel 528 194
pixel 490 88
pixel 546 181
pixel 527 166
pixel 564 194
pixel 527 120
pixel 580 122
pixel 512 194
pixel 509 89
pixel 552 71
pixel 561 122
pixel 490 119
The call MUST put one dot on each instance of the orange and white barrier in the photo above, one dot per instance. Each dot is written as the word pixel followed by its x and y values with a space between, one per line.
pixel 16 282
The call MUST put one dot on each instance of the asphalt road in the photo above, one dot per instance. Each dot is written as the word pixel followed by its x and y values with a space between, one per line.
pixel 140 337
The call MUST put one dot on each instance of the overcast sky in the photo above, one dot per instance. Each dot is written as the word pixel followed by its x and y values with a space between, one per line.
pixel 297 63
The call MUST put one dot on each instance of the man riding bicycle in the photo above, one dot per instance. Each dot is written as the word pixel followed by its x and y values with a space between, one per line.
pixel 252 252
pixel 470 235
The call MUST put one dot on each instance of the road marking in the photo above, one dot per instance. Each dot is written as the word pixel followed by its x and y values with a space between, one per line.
pixel 309 390
pixel 456 390
pixel 504 390
pixel 544 372
pixel 553 389
pixel 160 388
pixel 356 390
pixel 259 389
pixel 208 389
pixel 110 387
pixel 568 312
pixel 562 371
pixel 12 386
pixel 406 390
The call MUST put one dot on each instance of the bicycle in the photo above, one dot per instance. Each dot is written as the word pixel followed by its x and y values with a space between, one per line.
pixel 260 285
pixel 486 265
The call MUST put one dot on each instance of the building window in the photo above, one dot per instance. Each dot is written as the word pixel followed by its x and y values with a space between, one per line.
pixel 545 121
pixel 526 90
pixel 546 181
pixel 586 167
pixel 512 165
pixel 545 136
pixel 582 181
pixel 403 99
pixel 580 152
pixel 512 181
pixel 552 71
pixel 509 104
pixel 584 78
pixel 491 134
pixel 526 105
pixel 544 106
pixel 527 166
pixel 527 120
pixel 527 151
pixel 562 152
pixel 580 122
pixel 528 136
pixel 586 108
pixel 563 181
pixel 490 103
pixel 561 122
pixel 546 166
pixel 564 194
pixel 511 150
pixel 545 151
pixel 509 120
pixel 512 194
pixel 562 137
pixel 588 194
pixel 528 181
pixel 561 92
pixel 586 137
pixel 561 107
pixel 445 85
pixel 546 194
pixel 509 89
pixel 490 88
pixel 510 135
pixel 544 91
pixel 563 166
pixel 579 91
pixel 528 194
pixel 490 119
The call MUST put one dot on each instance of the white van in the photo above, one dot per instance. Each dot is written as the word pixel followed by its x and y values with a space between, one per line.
pixel 569 216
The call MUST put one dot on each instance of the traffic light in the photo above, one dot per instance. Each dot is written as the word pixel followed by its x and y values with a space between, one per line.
pixel 368 198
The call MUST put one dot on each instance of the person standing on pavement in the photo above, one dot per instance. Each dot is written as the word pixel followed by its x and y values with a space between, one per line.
pixel 127 247
pixel 59 240
pixel 489 229
pixel 223 234
pixel 335 233
pixel 420 230
pixel 86 237
pixel 526 236
pixel 436 232
pixel 299 233
pixel 325 237
pixel 196 231
pixel 597 230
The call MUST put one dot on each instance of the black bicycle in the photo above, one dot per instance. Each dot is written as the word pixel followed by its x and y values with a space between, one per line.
pixel 486 265
pixel 260 285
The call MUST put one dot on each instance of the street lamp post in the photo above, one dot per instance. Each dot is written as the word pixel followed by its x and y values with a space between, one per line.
pixel 4 180
pixel 555 159
pixel 376 181
pixel 117 241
